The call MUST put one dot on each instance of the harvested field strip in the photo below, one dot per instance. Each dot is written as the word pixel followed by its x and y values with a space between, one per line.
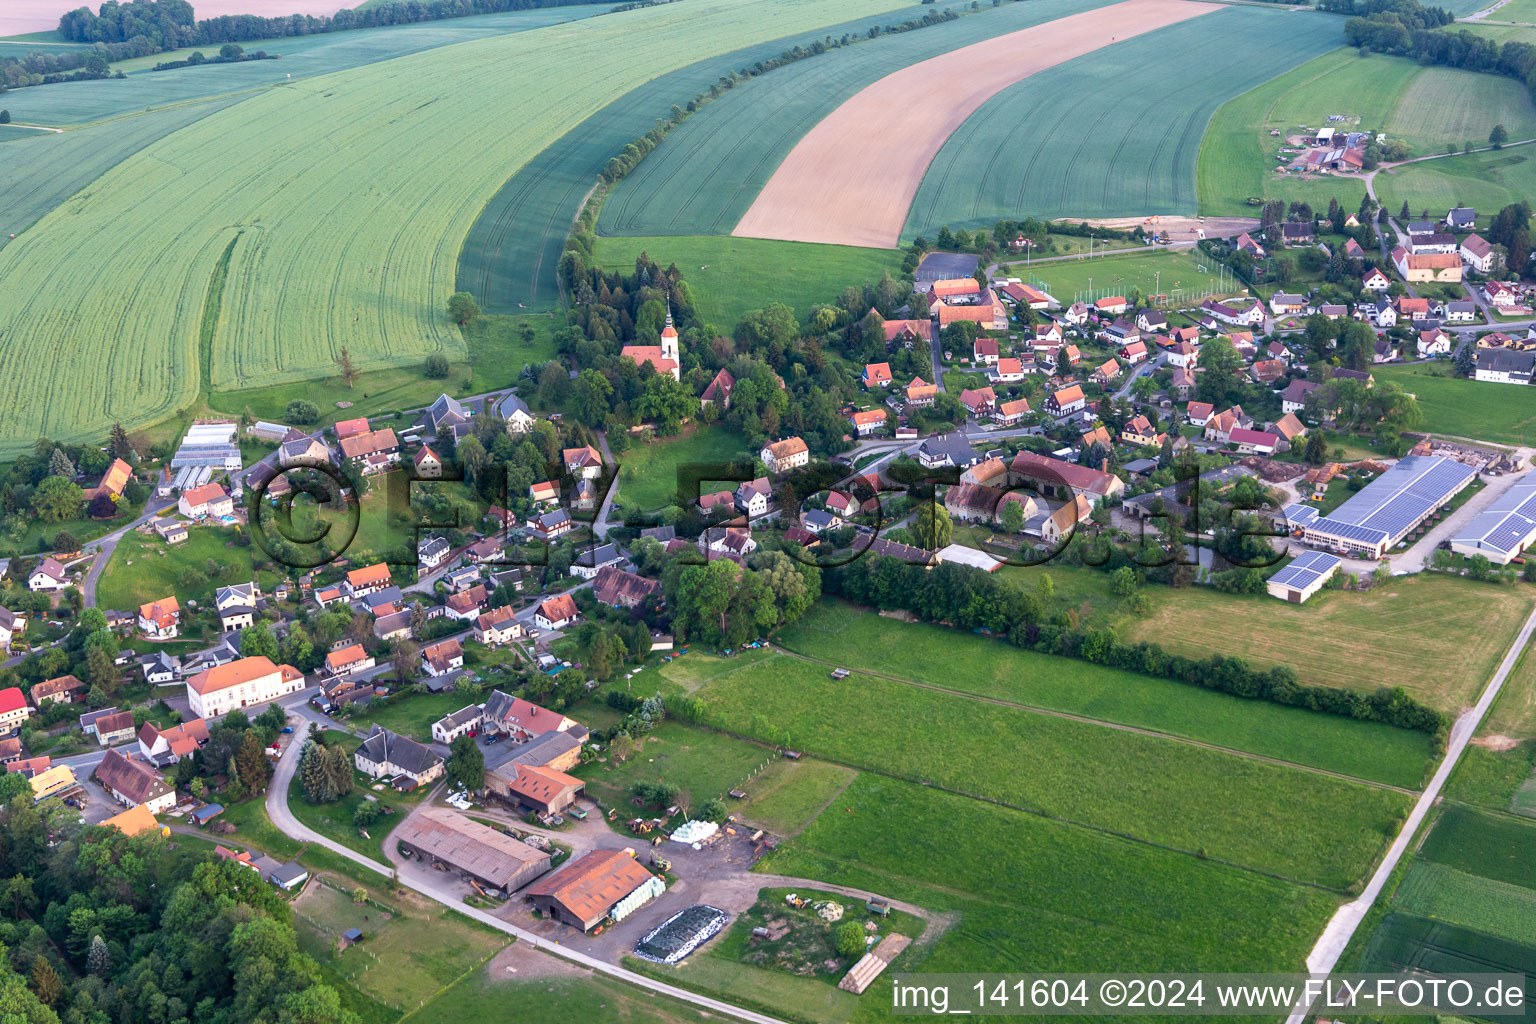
pixel 1088 116
pixel 1277 820
pixel 705 175
pixel 1438 638
pixel 927 654
pixel 346 242
pixel 509 256
pixel 1445 894
pixel 852 178
pixel 1127 902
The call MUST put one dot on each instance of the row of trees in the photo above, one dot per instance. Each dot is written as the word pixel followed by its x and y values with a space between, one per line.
pixel 969 598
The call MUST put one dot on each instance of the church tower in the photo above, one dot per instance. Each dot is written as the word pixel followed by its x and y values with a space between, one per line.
pixel 669 349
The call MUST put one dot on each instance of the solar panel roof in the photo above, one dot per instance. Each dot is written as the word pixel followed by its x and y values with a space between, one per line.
pixel 1305 569
pixel 1389 506
pixel 1507 521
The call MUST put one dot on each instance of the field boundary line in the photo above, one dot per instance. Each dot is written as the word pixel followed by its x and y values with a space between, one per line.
pixel 1037 812
pixel 1346 921
pixel 1137 729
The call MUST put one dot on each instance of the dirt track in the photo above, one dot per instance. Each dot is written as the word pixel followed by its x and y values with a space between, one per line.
pixel 851 180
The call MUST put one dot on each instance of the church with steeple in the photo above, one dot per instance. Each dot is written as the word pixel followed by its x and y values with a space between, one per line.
pixel 664 358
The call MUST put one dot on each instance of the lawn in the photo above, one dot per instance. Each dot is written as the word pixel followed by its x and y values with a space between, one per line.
pixel 928 654
pixel 1174 273
pixel 1488 180
pixel 1438 638
pixel 144 568
pixel 254 828
pixel 1124 903
pixel 1458 407
pixel 1497 769
pixel 704 765
pixel 649 471
pixel 509 256
pixel 413 716
pixel 1376 93
pixel 36 531
pixel 567 995
pixel 1162 790
pixel 334 820
pixel 727 277
pixel 344 264
pixel 412 948
pixel 711 168
pixel 1085 116
pixel 785 798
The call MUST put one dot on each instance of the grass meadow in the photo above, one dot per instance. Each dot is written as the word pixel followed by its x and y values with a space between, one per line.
pixel 1498 769
pixel 412 716
pixel 1087 116
pixel 705 765
pixel 648 470
pixel 1488 180
pixel 709 170
pixel 334 820
pixel 1125 903
pixel 789 794
pixel 144 568
pixel 1464 408
pixel 567 995
pixel 1168 792
pixel 1439 639
pixel 1494 846
pixel 727 277
pixel 929 654
pixel 1429 108
pixel 340 242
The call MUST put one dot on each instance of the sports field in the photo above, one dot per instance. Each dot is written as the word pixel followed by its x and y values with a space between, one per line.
pixel 1487 180
pixel 1439 639
pixel 341 242
pixel 1294 823
pixel 1460 407
pixel 851 179
pixel 726 277
pixel 509 257
pixel 1429 108
pixel 928 654
pixel 1115 132
pixel 706 174
pixel 1175 273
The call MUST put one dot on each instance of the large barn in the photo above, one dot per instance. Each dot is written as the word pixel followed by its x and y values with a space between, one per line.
pixel 492 858
pixel 592 887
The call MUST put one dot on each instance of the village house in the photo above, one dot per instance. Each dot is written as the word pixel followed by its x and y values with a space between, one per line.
pixel 1048 334
pixel 1183 355
pixel 1461 218
pixel 443 657
pixel 978 401
pixel 463 722
pixel 1120 332
pixel 207 501
pixel 1287 303
pixel 1500 295
pixel 1151 320
pixel 1199 413
pixel 376 451
pixel 1008 370
pixel 1267 371
pixel 1011 412
pixel 1099 435
pixel 732 542
pixel 783 456
pixel 1294 397
pixel 172 531
pixel 591 561
pixel 1059 479
pixel 1245 243
pixel 1112 305
pixel 1375 280
pixel 582 462
pixel 487 549
pixel 619 589
pixel 1437 242
pixel 718 391
pixel 1460 311
pixel 1239 312
pixel 1065 401
pixel 160 620
pixel 1296 233
pixel 1254 442
pixel 348 661
pixel 467 604
pixel 427 464
pixel 545 492
pixel 1182 383
pixel 876 375
pixel 516 413
pixel 947 450
pixel 555 612
pixel 351 428
pixel 1289 428
pixel 867 421
pixel 108 726
pixel 431 552
pixel 984 350
pixel 303 450
pixel 1134 353
pixel 753 498
pixel 241 684
pixel 1426 267
pixel 1063 522
pixel 161 747
pixel 1024 295
pixel 554 524
pixel 235 605
pixel 11 624
pixel 523 720
pixel 1106 372
pixel 1433 343
pixel 58 690
pixel 497 627
pixel 13 710
pixel 1138 430
pixel 1505 366
pixel 1478 254
pixel 387 755
pixel 920 393
pixel 908 332
pixel 992 472
pixel 133 783
pixel 368 579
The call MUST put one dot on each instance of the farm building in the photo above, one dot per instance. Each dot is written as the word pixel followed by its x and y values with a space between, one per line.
pixel 491 858
pixel 400 758
pixel 1304 576
pixel 1387 509
pixel 1503 529
pixel 544 790
pixel 601 884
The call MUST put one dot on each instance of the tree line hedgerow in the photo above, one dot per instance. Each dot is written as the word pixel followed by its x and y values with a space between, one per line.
pixel 969 598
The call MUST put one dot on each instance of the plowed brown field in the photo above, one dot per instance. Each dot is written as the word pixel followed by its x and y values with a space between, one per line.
pixel 851 179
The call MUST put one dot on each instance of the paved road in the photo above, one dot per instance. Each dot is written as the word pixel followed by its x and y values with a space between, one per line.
pixel 1346 920
pixel 435 887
